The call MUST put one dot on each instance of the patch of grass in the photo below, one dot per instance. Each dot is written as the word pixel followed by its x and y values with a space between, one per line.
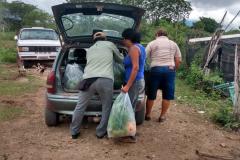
pixel 220 110
pixel 8 51
pixel 198 99
pixel 7 36
pixel 8 58
pixel 5 156
pixel 8 112
pixel 5 73
pixel 13 88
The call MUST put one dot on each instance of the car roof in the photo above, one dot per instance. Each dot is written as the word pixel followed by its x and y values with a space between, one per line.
pixel 42 28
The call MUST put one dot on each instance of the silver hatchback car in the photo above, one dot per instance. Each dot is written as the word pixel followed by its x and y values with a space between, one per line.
pixel 77 22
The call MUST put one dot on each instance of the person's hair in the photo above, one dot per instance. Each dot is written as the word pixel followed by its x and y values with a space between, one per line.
pixel 132 35
pixel 161 32
pixel 99 39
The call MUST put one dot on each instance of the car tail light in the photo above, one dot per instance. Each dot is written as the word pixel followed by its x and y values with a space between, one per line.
pixel 50 83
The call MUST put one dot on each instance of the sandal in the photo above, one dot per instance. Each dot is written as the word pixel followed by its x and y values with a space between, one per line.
pixel 162 119
pixel 148 118
pixel 127 140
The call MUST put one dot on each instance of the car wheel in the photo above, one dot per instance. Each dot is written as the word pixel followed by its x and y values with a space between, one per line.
pixel 26 64
pixel 140 116
pixel 51 118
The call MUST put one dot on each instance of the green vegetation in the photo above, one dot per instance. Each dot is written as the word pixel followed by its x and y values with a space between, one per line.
pixel 14 88
pixel 7 36
pixel 233 31
pixel 6 73
pixel 208 24
pixel 5 156
pixel 8 51
pixel 220 110
pixel 9 112
pixel 17 15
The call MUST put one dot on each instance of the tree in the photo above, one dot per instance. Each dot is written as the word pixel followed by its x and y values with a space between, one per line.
pixel 234 31
pixel 156 9
pixel 199 25
pixel 18 15
pixel 171 9
pixel 210 25
pixel 38 18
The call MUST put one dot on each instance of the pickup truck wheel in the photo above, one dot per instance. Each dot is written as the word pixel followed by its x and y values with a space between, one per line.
pixel 51 118
pixel 26 64
pixel 140 116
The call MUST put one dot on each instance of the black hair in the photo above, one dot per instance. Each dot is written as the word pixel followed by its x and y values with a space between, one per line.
pixel 132 35
pixel 99 39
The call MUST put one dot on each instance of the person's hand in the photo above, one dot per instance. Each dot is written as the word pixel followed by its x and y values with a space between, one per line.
pixel 125 89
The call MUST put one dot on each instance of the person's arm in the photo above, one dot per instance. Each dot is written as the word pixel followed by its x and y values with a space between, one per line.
pixel 148 50
pixel 134 55
pixel 178 61
pixel 177 57
pixel 118 57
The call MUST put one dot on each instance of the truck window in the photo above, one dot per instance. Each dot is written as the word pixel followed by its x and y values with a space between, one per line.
pixel 38 34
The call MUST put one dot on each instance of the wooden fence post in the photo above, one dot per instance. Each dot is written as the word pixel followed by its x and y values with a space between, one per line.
pixel 236 105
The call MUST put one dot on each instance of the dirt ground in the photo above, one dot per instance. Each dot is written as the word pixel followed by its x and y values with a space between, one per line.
pixel 178 138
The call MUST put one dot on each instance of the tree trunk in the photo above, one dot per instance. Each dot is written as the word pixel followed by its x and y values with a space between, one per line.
pixel 3 31
pixel 236 106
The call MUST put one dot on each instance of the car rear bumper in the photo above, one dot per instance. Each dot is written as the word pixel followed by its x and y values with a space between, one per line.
pixel 65 103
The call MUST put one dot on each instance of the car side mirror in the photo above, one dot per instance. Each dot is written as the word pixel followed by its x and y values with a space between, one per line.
pixel 15 38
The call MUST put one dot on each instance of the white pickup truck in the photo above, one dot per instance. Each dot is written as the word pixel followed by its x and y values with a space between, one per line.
pixel 37 43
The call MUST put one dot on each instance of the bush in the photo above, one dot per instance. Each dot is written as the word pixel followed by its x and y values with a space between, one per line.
pixel 7 55
pixel 8 36
pixel 198 80
pixel 224 115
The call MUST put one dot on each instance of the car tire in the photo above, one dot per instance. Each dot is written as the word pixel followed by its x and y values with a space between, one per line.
pixel 140 116
pixel 26 64
pixel 51 118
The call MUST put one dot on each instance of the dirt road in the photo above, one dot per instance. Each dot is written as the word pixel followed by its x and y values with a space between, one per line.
pixel 178 137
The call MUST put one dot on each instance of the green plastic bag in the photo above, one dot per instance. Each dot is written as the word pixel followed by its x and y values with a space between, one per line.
pixel 119 75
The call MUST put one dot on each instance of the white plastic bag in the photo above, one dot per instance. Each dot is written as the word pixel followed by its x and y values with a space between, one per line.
pixel 121 122
pixel 73 76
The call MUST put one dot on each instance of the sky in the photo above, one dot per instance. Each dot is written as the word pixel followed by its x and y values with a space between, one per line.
pixel 207 8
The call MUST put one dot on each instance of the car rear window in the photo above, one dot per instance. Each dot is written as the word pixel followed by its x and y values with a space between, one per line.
pixel 81 25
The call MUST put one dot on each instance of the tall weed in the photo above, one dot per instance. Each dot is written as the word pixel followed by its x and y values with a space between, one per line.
pixel 8 55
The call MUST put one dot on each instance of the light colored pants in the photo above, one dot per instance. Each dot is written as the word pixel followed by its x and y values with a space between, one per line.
pixel 134 92
pixel 102 86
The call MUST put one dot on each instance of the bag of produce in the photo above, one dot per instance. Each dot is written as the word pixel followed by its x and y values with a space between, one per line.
pixel 72 76
pixel 121 122
pixel 119 75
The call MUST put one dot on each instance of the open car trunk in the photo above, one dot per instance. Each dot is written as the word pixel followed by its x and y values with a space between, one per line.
pixel 76 21
pixel 72 69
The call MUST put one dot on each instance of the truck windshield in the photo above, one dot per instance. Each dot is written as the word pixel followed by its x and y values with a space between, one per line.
pixel 38 34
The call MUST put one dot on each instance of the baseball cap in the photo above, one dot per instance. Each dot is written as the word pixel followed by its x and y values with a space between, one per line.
pixel 98 35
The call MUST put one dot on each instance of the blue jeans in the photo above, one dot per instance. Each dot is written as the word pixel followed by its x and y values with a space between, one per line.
pixel 162 78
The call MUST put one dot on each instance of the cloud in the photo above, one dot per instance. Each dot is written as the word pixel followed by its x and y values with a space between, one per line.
pixel 216 9
pixel 213 4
